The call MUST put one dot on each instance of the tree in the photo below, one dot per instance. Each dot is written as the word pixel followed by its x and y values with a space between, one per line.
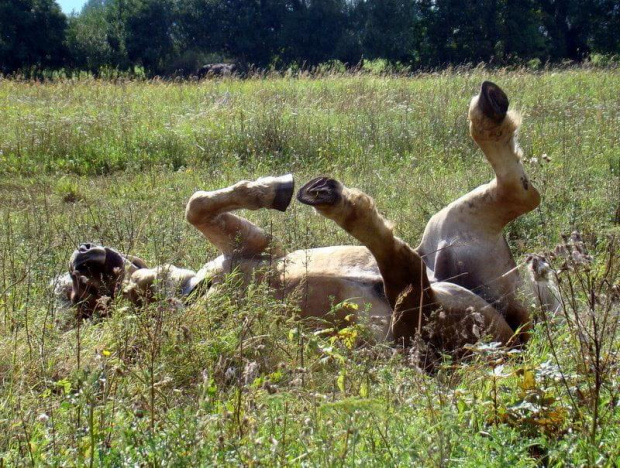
pixel 312 30
pixel 605 37
pixel 32 34
pixel 521 26
pixel 462 31
pixel 567 25
pixel 149 33
pixel 392 29
pixel 87 38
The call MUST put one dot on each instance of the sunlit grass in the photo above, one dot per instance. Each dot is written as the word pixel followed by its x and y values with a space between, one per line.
pixel 236 379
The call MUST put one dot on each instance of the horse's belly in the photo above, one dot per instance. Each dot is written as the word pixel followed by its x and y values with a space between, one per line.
pixel 336 283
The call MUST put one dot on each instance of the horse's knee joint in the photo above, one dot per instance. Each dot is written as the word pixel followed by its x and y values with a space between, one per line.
pixel 194 210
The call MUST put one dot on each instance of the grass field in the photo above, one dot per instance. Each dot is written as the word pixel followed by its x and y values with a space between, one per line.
pixel 235 378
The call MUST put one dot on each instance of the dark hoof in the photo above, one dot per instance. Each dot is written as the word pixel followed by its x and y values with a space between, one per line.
pixel 320 191
pixel 493 101
pixel 284 193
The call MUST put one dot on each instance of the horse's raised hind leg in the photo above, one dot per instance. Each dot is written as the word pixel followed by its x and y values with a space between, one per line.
pixel 494 129
pixel 210 213
pixel 464 242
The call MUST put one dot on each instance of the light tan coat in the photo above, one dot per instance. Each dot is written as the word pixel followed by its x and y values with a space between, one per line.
pixel 459 284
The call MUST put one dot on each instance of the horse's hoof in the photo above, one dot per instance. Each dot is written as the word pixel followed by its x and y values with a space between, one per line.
pixel 320 191
pixel 493 101
pixel 284 192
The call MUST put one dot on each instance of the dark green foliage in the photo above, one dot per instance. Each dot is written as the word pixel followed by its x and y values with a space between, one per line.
pixel 31 35
pixel 149 30
pixel 177 37
pixel 567 24
pixel 392 29
pixel 605 37
pixel 90 38
pixel 520 32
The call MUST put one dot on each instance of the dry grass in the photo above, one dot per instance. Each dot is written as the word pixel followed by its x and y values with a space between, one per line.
pixel 235 379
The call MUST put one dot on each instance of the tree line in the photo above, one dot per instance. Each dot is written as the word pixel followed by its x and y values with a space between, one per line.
pixel 165 37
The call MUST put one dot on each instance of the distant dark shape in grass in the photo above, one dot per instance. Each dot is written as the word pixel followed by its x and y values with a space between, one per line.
pixel 217 70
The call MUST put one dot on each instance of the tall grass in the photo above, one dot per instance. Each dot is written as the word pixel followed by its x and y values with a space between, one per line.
pixel 237 378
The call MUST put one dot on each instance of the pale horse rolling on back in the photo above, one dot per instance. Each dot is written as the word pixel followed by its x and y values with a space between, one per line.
pixel 460 284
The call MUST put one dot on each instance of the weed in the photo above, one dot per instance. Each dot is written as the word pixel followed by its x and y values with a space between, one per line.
pixel 236 378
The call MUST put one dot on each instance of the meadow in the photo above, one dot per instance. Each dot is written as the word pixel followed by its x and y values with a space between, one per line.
pixel 236 378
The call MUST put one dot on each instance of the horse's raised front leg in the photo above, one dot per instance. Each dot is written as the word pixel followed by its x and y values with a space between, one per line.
pixel 231 234
pixel 443 316
pixel 404 274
